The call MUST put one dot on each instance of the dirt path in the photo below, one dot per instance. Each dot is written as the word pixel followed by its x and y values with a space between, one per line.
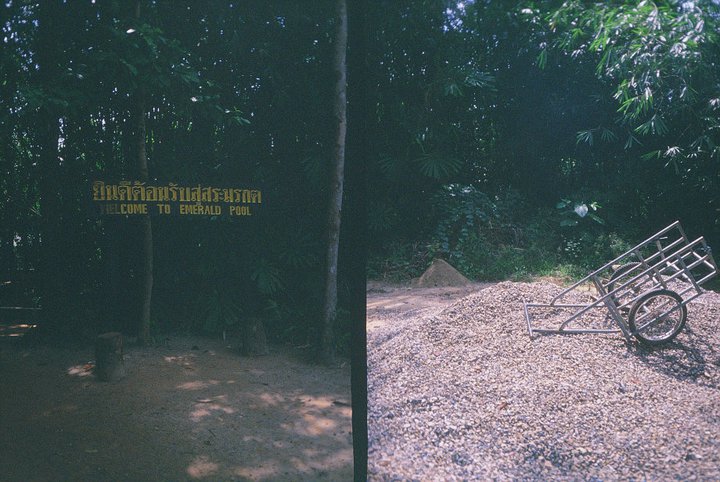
pixel 190 410
pixel 391 303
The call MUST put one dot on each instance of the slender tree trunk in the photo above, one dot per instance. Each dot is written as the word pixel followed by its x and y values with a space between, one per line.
pixel 327 342
pixel 111 320
pixel 146 278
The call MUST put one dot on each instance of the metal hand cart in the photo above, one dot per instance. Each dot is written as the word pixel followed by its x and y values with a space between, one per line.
pixel 644 292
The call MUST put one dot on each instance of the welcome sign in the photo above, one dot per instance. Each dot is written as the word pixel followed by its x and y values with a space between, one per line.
pixel 136 198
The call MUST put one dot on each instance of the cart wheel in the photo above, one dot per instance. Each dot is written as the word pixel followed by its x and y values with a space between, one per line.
pixel 657 317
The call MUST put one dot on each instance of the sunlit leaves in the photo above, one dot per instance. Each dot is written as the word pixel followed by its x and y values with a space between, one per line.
pixel 588 136
pixel 655 125
pixel 572 213
pixel 585 136
pixel 452 89
pixel 479 79
pixel 439 166
pixel 542 59
pixel 632 106
pixel 662 59
pixel 673 151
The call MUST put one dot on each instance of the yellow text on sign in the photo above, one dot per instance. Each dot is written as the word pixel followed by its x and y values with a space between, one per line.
pixel 168 209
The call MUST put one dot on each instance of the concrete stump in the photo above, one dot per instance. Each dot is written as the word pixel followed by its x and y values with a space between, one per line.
pixel 109 364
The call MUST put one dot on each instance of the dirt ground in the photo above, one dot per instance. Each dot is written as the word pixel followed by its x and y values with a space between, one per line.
pixel 191 409
pixel 386 301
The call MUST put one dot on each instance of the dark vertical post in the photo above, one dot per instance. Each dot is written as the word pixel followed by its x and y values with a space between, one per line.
pixel 355 222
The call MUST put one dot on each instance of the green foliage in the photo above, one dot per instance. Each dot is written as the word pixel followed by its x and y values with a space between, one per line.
pixel 491 238
pixel 438 166
pixel 484 259
pixel 463 211
pixel 574 213
pixel 481 114
pixel 429 90
pixel 235 95
pixel 267 277
pixel 659 58
pixel 588 250
pixel 505 238
pixel 218 311
pixel 399 261
pixel 612 101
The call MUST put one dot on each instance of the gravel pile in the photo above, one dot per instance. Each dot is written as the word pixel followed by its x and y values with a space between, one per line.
pixel 467 395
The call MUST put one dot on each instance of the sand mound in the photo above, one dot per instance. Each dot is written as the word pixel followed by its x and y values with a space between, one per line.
pixel 440 273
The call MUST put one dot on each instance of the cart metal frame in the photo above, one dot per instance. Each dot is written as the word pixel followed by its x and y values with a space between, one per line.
pixel 665 262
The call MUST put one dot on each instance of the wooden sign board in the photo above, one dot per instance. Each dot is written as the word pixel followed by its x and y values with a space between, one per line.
pixel 135 198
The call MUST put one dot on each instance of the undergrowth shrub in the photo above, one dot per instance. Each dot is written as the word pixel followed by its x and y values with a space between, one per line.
pixel 399 261
pixel 491 238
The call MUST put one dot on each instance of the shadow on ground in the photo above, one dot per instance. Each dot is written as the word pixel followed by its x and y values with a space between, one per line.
pixel 190 410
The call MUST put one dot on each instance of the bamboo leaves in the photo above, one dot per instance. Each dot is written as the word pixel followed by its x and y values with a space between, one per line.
pixel 659 57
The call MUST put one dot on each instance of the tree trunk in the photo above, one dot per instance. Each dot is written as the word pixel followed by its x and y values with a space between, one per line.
pixel 146 273
pixel 111 280
pixel 327 342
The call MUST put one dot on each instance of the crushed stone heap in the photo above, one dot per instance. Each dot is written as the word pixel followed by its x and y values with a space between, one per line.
pixel 467 395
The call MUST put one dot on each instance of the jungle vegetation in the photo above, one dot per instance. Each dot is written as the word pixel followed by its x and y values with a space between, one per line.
pixel 478 130
pixel 231 94
pixel 499 122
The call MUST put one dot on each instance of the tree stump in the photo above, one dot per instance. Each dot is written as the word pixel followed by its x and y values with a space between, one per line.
pixel 109 364
pixel 253 340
